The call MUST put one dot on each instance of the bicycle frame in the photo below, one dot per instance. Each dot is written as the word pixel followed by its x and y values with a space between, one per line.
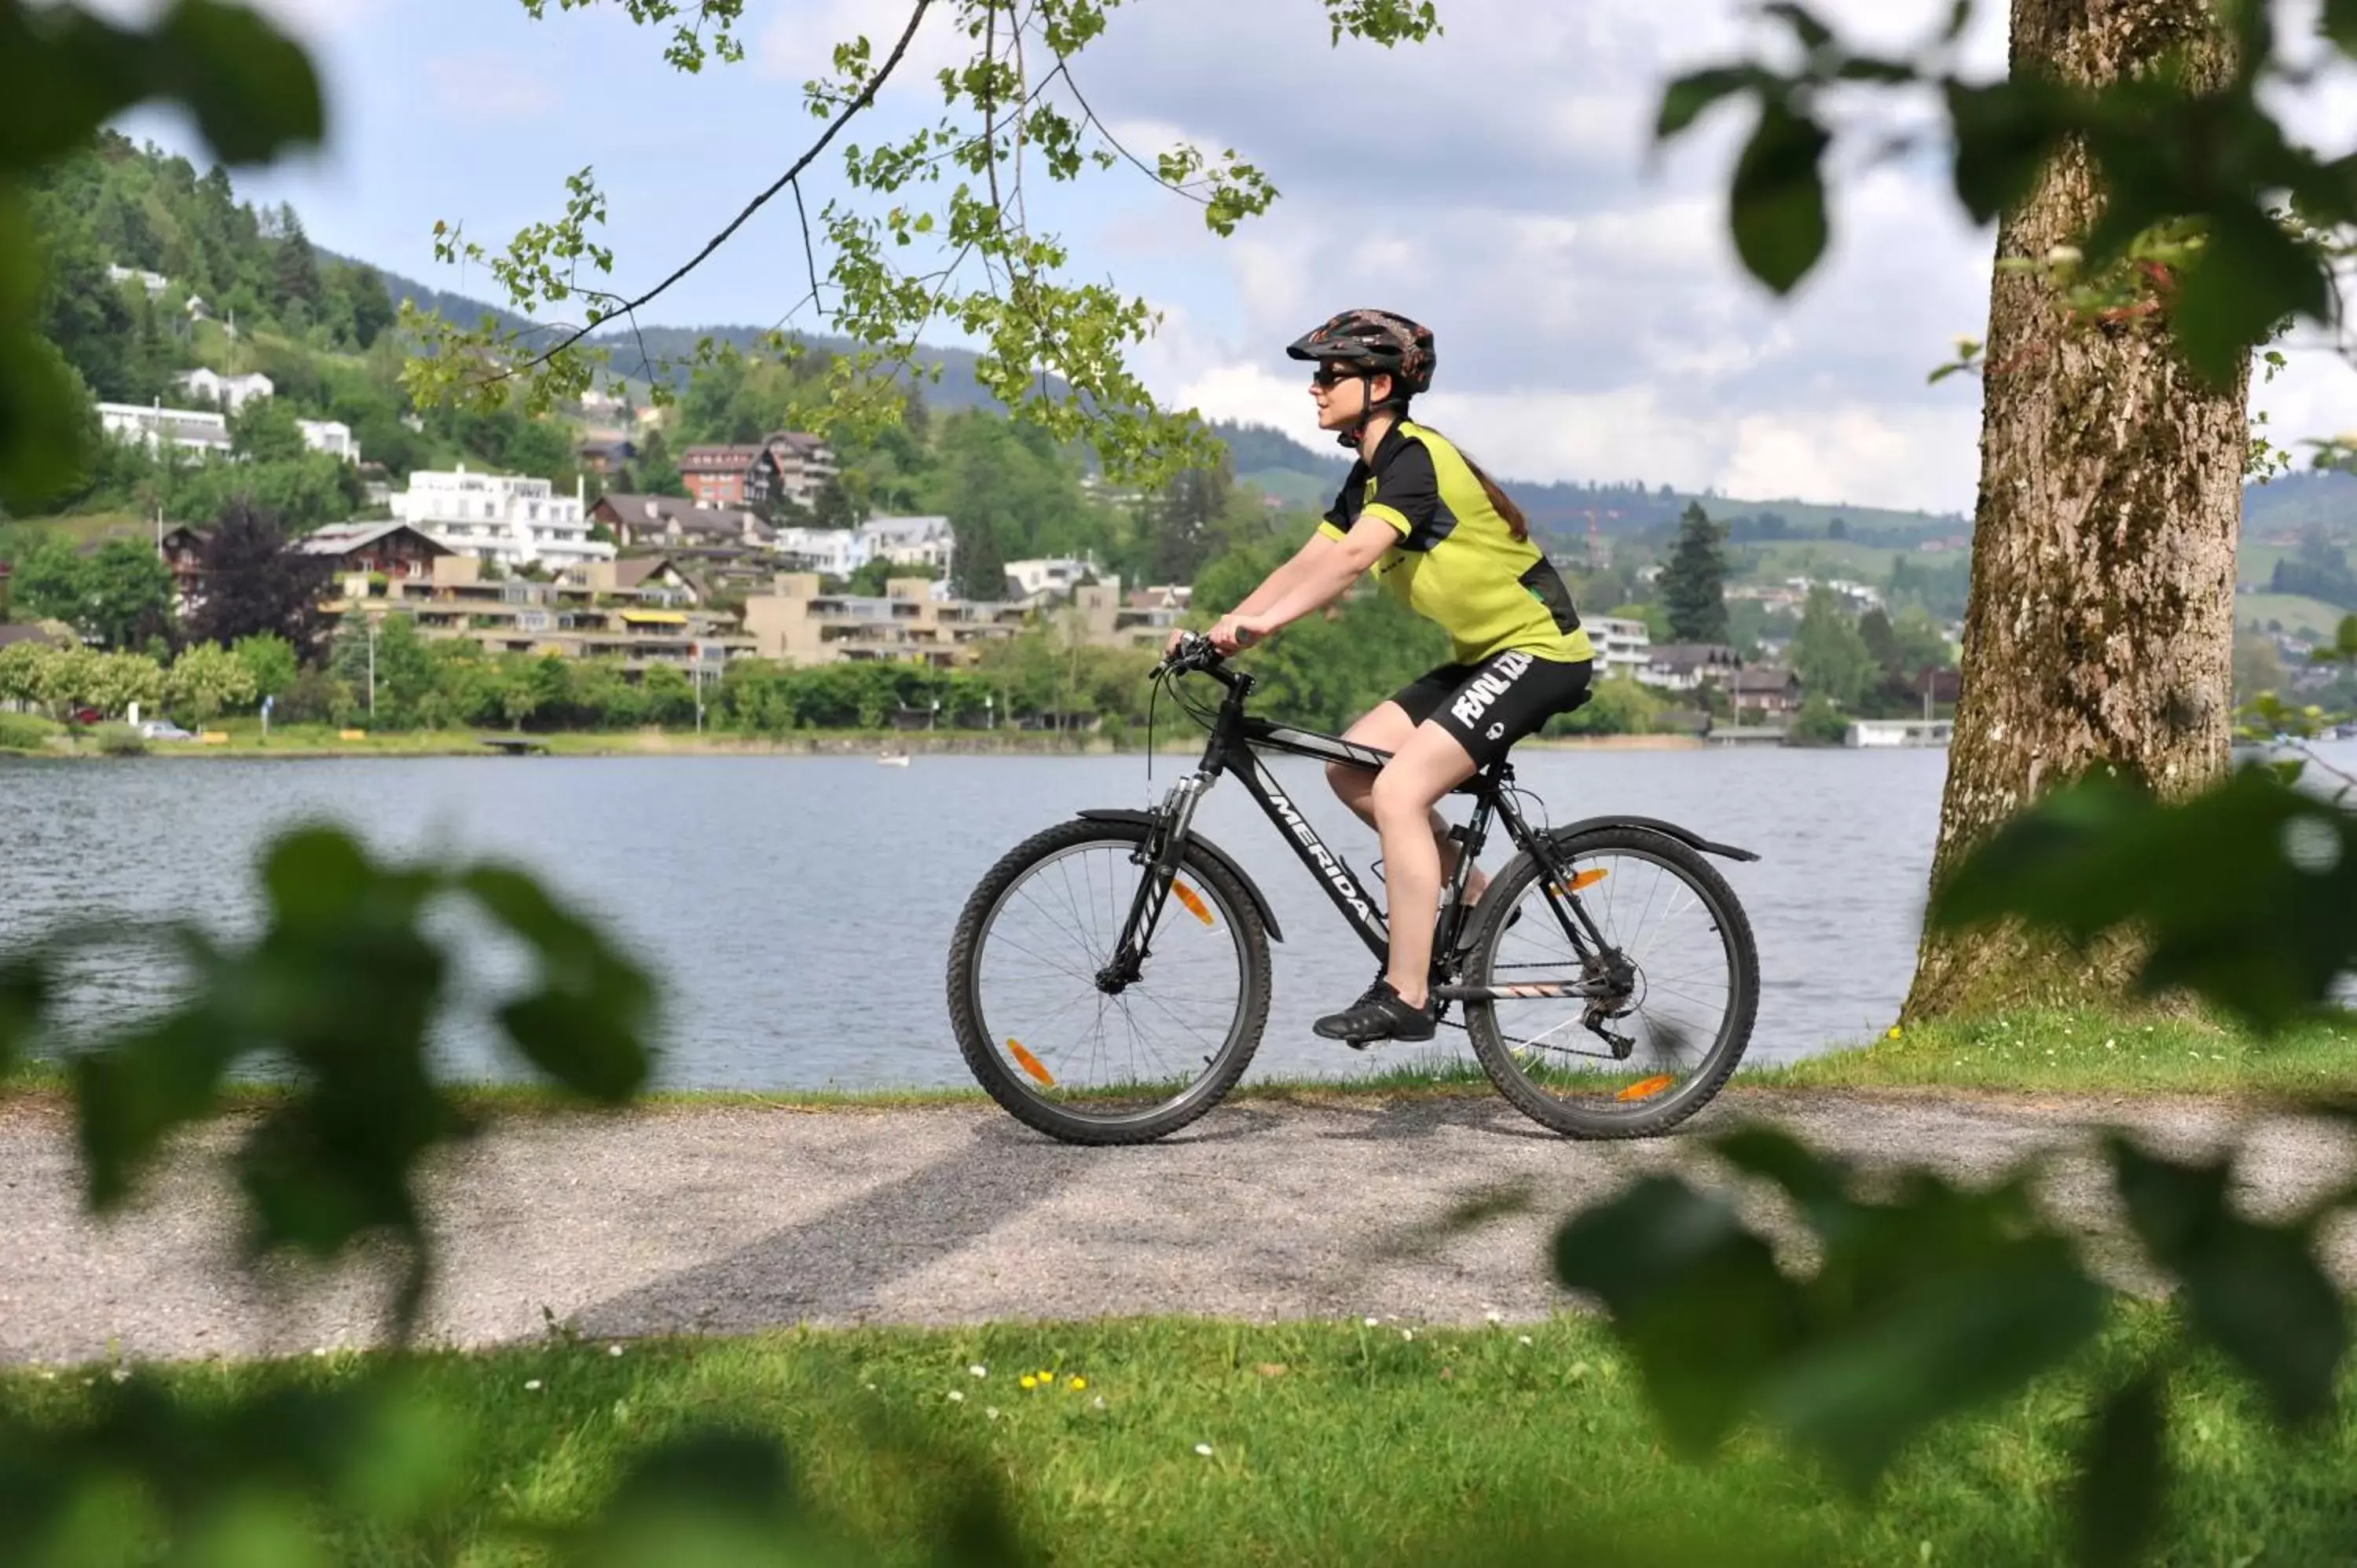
pixel 1236 743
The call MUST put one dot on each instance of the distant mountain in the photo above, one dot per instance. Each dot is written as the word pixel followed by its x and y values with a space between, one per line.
pixel 640 355
pixel 457 309
pixel 2302 500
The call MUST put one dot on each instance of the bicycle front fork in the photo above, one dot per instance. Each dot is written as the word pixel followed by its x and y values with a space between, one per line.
pixel 1159 854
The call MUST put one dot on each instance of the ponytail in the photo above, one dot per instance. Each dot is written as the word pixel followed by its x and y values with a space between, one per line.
pixel 1503 501
pixel 1515 520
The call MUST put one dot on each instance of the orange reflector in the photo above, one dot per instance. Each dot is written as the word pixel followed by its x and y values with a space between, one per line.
pixel 1030 1063
pixel 1582 880
pixel 1646 1089
pixel 1193 900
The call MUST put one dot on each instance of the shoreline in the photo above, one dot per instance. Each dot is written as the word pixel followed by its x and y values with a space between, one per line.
pixel 834 743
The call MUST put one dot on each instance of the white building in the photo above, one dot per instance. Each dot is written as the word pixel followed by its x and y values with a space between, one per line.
pixel 834 552
pixel 502 517
pixel 157 427
pixel 229 393
pixel 154 282
pixel 332 436
pixel 910 541
pixel 1622 647
pixel 1056 578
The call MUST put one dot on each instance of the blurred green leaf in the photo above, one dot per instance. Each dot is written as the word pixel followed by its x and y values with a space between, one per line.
pixel 249 88
pixel 2116 1509
pixel 1694 1295
pixel 1944 1340
pixel 2254 1291
pixel 1809 32
pixel 2246 894
pixel 2005 132
pixel 587 1027
pixel 2339 23
pixel 1924 1302
pixel 1777 202
pixel 1687 97
pixel 142 1087
pixel 24 992
pixel 2250 275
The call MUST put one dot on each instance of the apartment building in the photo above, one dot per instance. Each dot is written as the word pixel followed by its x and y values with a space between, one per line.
pixel 642 612
pixel 799 624
pixel 1624 647
pixel 508 519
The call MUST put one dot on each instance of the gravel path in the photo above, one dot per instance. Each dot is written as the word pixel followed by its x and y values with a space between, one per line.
pixel 731 1218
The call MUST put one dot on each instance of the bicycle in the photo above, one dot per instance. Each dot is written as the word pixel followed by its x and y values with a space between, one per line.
pixel 1055 1013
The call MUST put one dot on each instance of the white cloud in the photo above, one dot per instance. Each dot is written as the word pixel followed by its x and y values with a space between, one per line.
pixel 799 43
pixel 1594 321
pixel 488 86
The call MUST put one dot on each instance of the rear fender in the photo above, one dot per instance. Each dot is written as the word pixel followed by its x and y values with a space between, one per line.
pixel 1692 840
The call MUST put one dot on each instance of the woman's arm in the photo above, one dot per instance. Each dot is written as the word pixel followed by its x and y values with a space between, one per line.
pixel 1315 578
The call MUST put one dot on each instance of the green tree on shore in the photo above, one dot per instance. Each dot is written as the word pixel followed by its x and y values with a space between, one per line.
pixel 1693 582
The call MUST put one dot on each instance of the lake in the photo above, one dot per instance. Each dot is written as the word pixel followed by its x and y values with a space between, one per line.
pixel 798 909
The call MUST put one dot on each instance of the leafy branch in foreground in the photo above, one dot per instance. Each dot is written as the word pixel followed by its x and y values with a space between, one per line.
pixel 1927 1299
pixel 64 72
pixel 2215 215
pixel 341 992
pixel 937 234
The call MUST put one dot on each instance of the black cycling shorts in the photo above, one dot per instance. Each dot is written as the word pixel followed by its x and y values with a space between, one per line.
pixel 1489 705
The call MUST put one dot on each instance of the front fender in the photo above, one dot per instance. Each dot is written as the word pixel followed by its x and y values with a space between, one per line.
pixel 1227 862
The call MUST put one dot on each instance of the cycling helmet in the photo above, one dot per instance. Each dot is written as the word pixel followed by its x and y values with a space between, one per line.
pixel 1378 340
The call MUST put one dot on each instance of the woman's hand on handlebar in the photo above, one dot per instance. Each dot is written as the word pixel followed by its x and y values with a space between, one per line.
pixel 1232 631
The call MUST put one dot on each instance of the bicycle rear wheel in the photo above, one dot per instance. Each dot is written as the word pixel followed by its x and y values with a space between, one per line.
pixel 1065 1055
pixel 1636 1055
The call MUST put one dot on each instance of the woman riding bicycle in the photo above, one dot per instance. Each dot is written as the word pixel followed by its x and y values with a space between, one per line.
pixel 1445 539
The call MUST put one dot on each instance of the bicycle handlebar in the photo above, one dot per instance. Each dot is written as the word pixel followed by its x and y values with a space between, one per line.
pixel 1194 652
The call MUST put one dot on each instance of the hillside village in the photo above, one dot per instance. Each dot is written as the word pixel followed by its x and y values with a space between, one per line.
pixel 232 367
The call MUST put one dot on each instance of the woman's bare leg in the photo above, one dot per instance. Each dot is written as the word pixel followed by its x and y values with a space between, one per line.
pixel 1387 728
pixel 1420 772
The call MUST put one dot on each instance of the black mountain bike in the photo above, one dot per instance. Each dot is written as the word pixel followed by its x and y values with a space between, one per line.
pixel 1109 978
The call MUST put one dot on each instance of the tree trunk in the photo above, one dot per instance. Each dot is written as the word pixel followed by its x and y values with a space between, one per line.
pixel 2100 630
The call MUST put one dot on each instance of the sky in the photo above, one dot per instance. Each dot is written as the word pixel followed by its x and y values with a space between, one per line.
pixel 1497 183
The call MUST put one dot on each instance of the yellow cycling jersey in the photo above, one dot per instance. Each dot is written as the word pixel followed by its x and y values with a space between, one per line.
pixel 1457 561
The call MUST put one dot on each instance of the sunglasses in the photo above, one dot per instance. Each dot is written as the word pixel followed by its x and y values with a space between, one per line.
pixel 1329 375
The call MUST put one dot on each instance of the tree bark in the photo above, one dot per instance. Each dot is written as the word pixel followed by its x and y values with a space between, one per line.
pixel 2100 628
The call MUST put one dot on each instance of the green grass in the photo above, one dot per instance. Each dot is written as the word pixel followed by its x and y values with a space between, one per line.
pixel 2029 1053
pixel 1785 558
pixel 2089 1053
pixel 1329 1444
pixel 2295 613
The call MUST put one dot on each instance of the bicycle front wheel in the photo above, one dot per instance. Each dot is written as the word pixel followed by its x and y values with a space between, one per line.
pixel 1666 1007
pixel 1067 1055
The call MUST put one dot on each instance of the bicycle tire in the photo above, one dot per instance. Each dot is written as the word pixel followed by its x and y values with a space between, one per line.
pixel 1060 1121
pixel 1568 1118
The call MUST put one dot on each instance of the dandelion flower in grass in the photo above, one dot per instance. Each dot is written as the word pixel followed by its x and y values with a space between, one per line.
pixel 1204 1449
pixel 1078 1383
pixel 1047 1377
pixel 1029 1382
